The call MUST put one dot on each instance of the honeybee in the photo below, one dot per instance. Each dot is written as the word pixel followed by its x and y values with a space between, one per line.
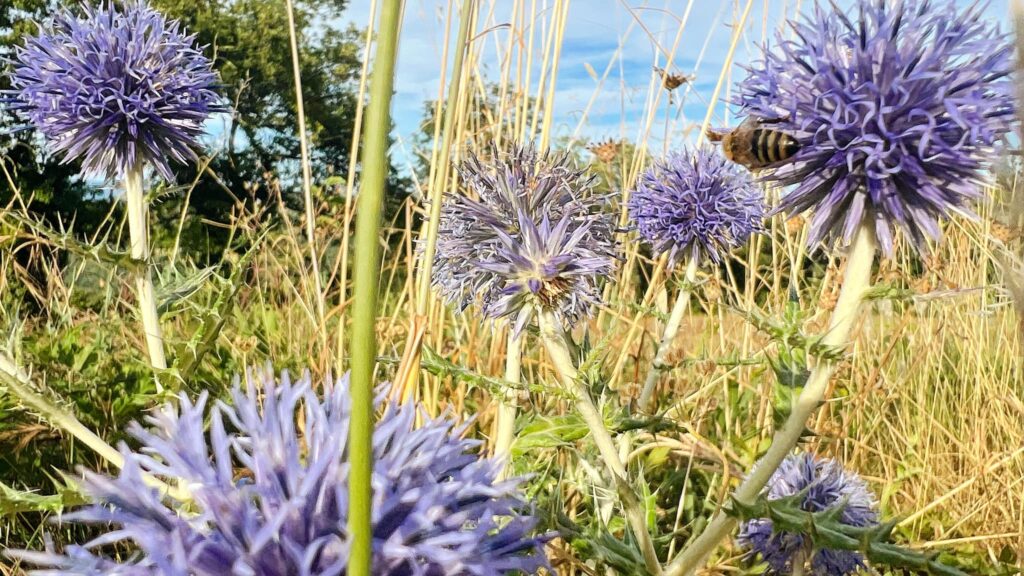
pixel 755 146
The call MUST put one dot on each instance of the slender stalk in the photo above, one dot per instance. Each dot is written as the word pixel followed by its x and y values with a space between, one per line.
pixel 365 280
pixel 855 283
pixel 554 342
pixel 507 406
pixel 137 229
pixel 307 193
pixel 18 383
pixel 658 366
pixel 437 186
pixel 634 326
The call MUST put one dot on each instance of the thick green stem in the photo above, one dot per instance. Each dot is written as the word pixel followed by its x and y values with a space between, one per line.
pixel 507 404
pixel 855 283
pixel 554 342
pixel 139 232
pixel 365 284
pixel 658 366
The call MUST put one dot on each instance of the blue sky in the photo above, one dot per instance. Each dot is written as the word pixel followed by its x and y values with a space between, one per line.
pixel 594 32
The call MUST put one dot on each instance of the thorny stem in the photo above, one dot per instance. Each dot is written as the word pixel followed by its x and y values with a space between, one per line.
pixel 507 404
pixel 856 281
pixel 671 331
pixel 15 380
pixel 137 229
pixel 554 342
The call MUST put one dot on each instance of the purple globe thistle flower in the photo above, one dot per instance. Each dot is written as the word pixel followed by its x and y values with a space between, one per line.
pixel 115 88
pixel 827 485
pixel 696 205
pixel 897 110
pixel 538 238
pixel 268 484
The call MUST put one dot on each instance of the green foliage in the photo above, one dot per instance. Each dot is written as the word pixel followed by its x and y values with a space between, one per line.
pixel 439 366
pixel 602 547
pixel 249 41
pixel 50 186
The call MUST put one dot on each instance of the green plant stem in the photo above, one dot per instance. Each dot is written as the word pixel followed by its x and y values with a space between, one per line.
pixel 18 383
pixel 658 366
pixel 558 351
pixel 138 230
pixel 856 281
pixel 506 404
pixel 365 285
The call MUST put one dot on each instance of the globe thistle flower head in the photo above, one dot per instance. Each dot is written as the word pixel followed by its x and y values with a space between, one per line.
pixel 696 205
pixel 116 87
pixel 537 238
pixel 268 486
pixel 825 485
pixel 897 107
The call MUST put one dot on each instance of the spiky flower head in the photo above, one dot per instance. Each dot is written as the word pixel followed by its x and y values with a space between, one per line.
pixel 696 205
pixel 537 238
pixel 825 485
pixel 897 107
pixel 269 494
pixel 116 87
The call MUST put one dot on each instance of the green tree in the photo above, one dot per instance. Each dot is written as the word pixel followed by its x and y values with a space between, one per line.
pixel 50 186
pixel 254 146
pixel 249 41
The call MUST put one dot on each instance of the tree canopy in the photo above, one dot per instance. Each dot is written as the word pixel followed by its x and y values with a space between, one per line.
pixel 254 147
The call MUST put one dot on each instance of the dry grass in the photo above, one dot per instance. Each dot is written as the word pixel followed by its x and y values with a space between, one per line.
pixel 932 398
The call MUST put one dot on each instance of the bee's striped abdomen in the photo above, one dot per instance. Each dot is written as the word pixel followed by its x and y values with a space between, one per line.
pixel 771 146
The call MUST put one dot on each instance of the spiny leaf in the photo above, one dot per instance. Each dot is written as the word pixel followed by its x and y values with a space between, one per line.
pixel 624 558
pixel 13 501
pixel 204 339
pixel 788 332
pixel 826 531
pixel 66 241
